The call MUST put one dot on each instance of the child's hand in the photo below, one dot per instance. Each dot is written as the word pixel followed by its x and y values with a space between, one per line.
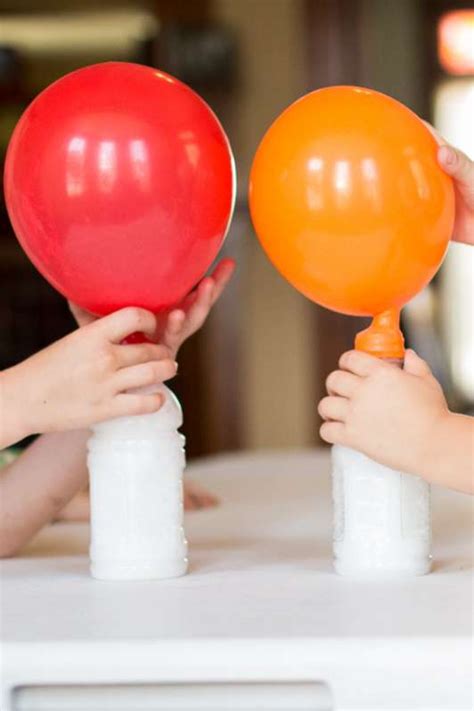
pixel 81 316
pixel 83 378
pixel 175 326
pixel 461 169
pixel 389 414
pixel 456 164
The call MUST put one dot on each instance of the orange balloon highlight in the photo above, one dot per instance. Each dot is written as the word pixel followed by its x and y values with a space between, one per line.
pixel 350 205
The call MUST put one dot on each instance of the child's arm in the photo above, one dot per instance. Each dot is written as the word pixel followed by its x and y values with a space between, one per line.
pixel 37 485
pixel 399 418
pixel 74 383
pixel 83 379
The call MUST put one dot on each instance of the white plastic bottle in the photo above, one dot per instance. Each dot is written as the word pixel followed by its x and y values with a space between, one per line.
pixel 382 517
pixel 382 522
pixel 136 469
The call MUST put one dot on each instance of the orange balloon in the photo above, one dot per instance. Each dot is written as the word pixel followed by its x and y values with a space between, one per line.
pixel 349 202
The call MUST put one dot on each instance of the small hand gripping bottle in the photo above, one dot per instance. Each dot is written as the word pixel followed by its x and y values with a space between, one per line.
pixel 382 520
pixel 136 467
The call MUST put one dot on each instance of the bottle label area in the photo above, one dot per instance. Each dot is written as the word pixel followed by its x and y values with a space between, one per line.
pixel 382 521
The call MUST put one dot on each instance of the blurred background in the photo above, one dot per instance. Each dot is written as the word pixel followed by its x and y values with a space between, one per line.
pixel 253 376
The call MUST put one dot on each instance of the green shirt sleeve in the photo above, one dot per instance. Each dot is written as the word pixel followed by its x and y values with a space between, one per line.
pixel 7 456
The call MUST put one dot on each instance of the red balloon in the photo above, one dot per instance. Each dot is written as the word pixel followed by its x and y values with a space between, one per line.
pixel 120 186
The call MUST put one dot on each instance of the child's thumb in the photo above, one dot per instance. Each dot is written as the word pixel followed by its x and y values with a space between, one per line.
pixel 461 168
pixel 414 365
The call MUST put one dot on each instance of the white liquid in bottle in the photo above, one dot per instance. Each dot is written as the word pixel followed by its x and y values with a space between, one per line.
pixel 382 522
pixel 136 469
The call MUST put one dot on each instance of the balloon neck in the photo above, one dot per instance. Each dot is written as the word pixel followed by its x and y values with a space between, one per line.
pixel 136 338
pixel 383 338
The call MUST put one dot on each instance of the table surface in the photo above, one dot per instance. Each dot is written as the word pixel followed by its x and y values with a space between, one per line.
pixel 261 599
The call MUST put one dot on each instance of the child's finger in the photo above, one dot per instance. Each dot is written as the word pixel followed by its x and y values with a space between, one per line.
pixel 208 500
pixel 140 353
pixel 190 503
pixel 205 290
pixel 173 333
pixel 414 365
pixel 359 363
pixel 123 323
pixel 189 300
pixel 221 276
pixel 340 382
pixel 138 376
pixel 174 322
pixel 129 404
pixel 199 310
pixel 461 168
pixel 333 432
pixel 223 269
pixel 333 408
pixel 200 496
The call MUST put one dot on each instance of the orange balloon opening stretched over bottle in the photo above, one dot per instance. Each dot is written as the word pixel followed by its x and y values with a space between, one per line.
pixel 351 206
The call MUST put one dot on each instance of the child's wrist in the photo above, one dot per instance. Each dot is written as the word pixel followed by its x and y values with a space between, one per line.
pixel 16 415
pixel 432 463
pixel 453 461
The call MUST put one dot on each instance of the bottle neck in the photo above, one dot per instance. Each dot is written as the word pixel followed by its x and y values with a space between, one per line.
pixel 383 338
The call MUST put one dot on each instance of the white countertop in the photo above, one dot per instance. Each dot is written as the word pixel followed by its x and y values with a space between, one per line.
pixel 261 601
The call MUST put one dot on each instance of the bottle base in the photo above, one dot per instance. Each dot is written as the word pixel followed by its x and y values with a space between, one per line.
pixel 350 569
pixel 155 570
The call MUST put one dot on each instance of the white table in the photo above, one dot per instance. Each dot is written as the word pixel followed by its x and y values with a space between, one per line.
pixel 260 615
